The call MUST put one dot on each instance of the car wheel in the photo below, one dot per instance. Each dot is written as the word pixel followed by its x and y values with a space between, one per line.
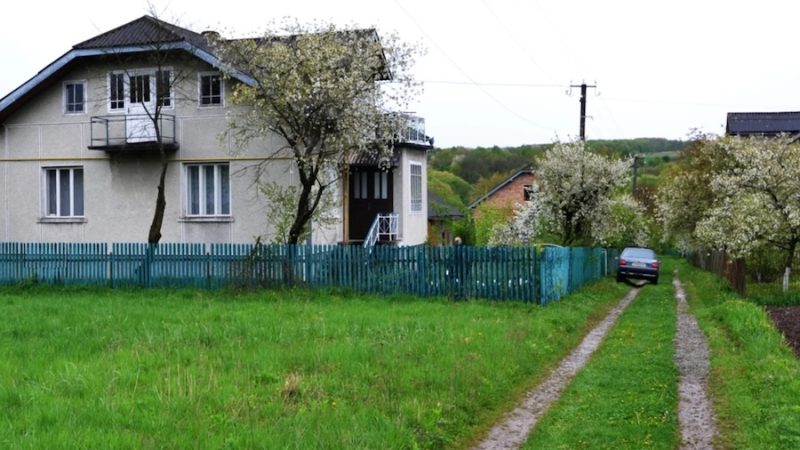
pixel 655 280
pixel 620 278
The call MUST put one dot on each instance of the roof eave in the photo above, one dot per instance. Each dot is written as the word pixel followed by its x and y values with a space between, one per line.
pixel 17 94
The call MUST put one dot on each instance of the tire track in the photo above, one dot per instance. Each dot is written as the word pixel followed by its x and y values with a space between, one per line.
pixel 695 412
pixel 513 430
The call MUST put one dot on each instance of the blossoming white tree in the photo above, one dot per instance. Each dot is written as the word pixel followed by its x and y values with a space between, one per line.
pixel 757 198
pixel 575 184
pixel 324 91
pixel 576 199
pixel 621 221
pixel 526 225
pixel 685 194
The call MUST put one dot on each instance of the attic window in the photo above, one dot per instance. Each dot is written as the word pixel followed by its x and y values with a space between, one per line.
pixel 210 89
pixel 75 97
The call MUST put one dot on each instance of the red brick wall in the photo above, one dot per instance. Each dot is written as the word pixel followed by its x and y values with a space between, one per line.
pixel 508 196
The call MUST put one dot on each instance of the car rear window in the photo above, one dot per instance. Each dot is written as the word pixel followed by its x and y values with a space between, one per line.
pixel 638 253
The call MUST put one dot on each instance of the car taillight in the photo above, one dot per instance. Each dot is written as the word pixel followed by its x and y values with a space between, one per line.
pixel 622 262
pixel 654 264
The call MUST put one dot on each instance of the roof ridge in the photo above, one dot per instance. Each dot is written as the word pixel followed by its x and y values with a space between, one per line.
pixel 161 31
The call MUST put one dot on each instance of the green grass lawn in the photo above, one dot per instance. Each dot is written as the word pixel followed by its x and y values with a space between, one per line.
pixel 287 369
pixel 755 378
pixel 626 397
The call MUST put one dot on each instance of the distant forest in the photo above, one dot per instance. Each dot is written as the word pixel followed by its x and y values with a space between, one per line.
pixel 474 164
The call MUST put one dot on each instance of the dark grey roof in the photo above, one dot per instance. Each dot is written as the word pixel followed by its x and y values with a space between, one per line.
pixel 438 208
pixel 762 123
pixel 145 30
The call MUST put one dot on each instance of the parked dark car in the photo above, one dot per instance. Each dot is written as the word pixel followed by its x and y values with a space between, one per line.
pixel 638 263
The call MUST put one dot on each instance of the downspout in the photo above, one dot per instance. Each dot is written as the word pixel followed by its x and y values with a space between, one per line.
pixel 346 206
pixel 5 184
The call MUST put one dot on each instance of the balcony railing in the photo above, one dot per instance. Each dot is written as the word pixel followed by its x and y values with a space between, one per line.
pixel 415 131
pixel 130 132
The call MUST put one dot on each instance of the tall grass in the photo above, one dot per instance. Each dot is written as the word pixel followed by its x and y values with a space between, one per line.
pixel 288 369
pixel 755 378
pixel 626 397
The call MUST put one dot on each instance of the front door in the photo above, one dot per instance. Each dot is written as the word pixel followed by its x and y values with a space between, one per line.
pixel 138 123
pixel 370 194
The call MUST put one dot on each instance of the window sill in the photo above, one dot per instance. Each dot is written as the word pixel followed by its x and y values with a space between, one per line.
pixel 62 220
pixel 206 219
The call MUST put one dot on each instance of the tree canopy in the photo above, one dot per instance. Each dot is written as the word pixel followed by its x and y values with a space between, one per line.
pixel 577 198
pixel 326 92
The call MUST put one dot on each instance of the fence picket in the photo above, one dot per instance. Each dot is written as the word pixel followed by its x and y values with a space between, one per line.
pixel 498 273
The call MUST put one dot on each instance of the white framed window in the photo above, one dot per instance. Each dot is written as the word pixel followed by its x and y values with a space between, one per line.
pixel 210 89
pixel 208 191
pixel 415 170
pixel 164 82
pixel 116 91
pixel 74 97
pixel 63 191
pixel 381 184
pixel 140 86
pixel 360 188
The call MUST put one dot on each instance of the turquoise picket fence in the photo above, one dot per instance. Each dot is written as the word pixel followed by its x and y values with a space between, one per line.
pixel 497 273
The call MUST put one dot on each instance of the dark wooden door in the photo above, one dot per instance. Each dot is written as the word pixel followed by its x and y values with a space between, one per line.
pixel 371 193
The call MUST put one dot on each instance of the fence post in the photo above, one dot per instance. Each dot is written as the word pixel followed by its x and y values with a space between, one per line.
pixel 208 269
pixel 542 276
pixel 307 257
pixel 421 270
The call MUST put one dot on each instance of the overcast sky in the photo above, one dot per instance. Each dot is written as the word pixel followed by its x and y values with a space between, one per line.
pixel 497 72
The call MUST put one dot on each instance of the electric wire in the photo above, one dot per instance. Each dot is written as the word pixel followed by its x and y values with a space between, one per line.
pixel 517 41
pixel 466 75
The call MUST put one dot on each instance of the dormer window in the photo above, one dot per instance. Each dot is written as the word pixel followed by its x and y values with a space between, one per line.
pixel 75 97
pixel 210 89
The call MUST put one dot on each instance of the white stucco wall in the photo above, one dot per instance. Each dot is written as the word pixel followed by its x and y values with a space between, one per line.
pixel 120 189
pixel 413 225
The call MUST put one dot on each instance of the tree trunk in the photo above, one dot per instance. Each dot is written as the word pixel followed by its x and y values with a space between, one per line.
pixel 301 217
pixel 161 205
pixel 788 269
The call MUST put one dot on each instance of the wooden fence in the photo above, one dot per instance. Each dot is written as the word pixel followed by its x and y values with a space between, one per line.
pixel 500 273
pixel 720 263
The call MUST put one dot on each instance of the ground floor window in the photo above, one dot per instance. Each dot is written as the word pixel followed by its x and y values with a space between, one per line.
pixel 208 189
pixel 63 191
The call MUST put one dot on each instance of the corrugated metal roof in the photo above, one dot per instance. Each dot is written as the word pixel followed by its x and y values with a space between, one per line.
pixel 439 209
pixel 762 123
pixel 145 30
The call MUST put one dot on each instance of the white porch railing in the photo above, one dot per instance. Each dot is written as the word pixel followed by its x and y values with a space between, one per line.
pixel 384 226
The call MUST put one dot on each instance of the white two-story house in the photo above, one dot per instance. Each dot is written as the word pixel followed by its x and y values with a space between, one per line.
pixel 79 159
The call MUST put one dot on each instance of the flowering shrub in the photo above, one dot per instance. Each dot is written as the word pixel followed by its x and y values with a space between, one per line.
pixel 577 200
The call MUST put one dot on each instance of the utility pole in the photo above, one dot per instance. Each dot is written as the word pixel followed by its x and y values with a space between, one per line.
pixel 583 87
pixel 636 159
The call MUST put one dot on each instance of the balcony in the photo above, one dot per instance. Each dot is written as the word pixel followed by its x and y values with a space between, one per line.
pixel 414 132
pixel 132 132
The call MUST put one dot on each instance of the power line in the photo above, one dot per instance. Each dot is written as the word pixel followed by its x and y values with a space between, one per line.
pixel 495 84
pixel 466 75
pixel 516 41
